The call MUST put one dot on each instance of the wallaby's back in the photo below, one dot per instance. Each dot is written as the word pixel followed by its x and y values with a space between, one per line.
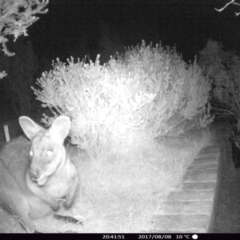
pixel 15 155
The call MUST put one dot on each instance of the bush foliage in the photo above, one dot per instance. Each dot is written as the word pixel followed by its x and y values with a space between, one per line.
pixel 145 93
pixel 16 16
pixel 223 68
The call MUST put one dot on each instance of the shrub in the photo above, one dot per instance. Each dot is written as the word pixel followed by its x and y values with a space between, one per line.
pixel 145 93
pixel 222 67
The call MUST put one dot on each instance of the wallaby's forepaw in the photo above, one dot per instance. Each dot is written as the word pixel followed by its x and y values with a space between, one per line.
pixel 55 205
pixel 67 204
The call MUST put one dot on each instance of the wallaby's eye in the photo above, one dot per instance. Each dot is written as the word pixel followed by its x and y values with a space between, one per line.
pixel 49 153
pixel 31 153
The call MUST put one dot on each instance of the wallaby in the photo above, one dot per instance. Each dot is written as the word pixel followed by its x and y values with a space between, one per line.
pixel 37 176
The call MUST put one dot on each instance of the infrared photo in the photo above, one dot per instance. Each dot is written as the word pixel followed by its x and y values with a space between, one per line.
pixel 120 116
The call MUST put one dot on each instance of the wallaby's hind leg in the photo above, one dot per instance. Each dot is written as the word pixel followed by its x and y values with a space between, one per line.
pixel 22 215
pixel 68 219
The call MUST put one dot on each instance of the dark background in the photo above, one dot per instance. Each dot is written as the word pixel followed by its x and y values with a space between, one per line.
pixel 89 27
pixel 77 24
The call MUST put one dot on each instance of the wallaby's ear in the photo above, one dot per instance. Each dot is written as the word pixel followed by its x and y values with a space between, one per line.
pixel 29 127
pixel 60 128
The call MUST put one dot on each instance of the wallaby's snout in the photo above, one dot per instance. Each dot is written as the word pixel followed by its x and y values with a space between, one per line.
pixel 34 174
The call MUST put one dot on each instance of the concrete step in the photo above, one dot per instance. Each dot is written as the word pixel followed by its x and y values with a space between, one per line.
pixel 188 209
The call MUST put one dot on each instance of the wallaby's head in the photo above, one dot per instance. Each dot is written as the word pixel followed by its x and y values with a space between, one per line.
pixel 47 150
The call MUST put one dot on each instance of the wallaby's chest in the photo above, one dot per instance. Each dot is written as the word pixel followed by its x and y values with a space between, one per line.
pixel 59 184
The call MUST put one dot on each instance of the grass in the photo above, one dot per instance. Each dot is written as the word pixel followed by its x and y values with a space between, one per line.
pixel 122 192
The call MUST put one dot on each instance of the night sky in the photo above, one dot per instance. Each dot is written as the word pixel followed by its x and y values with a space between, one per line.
pixel 76 27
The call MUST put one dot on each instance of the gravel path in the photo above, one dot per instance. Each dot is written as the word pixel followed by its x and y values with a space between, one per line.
pixel 227 215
